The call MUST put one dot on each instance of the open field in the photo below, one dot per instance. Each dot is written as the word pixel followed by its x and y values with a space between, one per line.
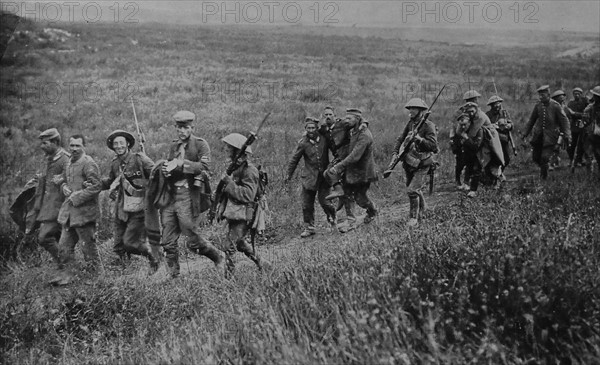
pixel 511 277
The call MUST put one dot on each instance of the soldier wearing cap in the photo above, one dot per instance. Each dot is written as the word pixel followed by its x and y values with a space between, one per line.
pixel 79 211
pixel 591 120
pixel 358 166
pixel 471 96
pixel 337 135
pixel 578 130
pixel 312 147
pixel 187 166
pixel 127 180
pixel 239 192
pixel 547 121
pixel 419 157
pixel 48 197
pixel 501 121
pixel 471 134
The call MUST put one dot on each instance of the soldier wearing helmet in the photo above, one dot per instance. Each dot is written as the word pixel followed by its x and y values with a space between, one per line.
pixel 313 148
pixel 578 130
pixel 127 180
pixel 239 191
pixel 500 119
pixel 419 158
pixel 186 167
pixel 547 121
pixel 591 119
pixel 455 141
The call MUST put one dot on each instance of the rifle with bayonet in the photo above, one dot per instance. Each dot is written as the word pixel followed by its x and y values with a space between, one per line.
pixel 504 114
pixel 235 164
pixel 405 147
pixel 141 138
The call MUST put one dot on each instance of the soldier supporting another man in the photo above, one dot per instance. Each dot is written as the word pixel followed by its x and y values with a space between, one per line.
pixel 591 118
pixel 547 121
pixel 188 163
pixel 79 211
pixel 127 181
pixel 239 195
pixel 456 142
pixel 500 119
pixel 419 157
pixel 313 148
pixel 48 196
pixel 358 166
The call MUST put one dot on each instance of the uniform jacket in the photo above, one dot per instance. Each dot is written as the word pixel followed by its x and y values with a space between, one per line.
pixel 239 191
pixel 547 121
pixel 359 164
pixel 136 168
pixel 337 137
pixel 426 147
pixel 316 160
pixel 576 109
pixel 591 117
pixel 84 207
pixel 503 134
pixel 196 162
pixel 48 196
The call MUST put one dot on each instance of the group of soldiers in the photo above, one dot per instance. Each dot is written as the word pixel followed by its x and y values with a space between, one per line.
pixel 338 164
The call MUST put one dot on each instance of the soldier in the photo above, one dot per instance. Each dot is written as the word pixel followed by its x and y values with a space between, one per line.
pixel 239 193
pixel 48 196
pixel 127 182
pixel 188 163
pixel 578 132
pixel 313 148
pixel 591 118
pixel 501 121
pixel 79 210
pixel 471 134
pixel 337 134
pixel 359 165
pixel 455 141
pixel 559 96
pixel 547 121
pixel 419 158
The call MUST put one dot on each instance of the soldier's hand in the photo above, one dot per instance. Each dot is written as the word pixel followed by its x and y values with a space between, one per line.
pixel 66 190
pixel 57 180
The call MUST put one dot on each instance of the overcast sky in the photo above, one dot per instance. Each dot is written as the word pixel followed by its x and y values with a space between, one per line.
pixel 580 15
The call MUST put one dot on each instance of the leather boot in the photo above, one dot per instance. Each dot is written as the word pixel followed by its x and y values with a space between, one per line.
pixel 544 171
pixel 336 192
pixel 414 211
pixel 173 264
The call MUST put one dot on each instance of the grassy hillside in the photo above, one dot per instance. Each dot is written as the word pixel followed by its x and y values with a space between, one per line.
pixel 507 278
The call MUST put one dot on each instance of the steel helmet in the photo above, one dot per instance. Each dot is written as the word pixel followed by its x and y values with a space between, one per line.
pixel 236 140
pixel 596 91
pixel 471 94
pixel 416 103
pixel 557 93
pixel 494 99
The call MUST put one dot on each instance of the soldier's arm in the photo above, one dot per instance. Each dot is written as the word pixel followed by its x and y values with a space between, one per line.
pixel 107 180
pixel 532 119
pixel 203 163
pixel 147 164
pixel 563 121
pixel 91 173
pixel 359 149
pixel 400 139
pixel 298 153
pixel 245 191
pixel 428 143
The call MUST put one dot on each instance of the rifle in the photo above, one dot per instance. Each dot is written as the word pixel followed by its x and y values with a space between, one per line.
pixel 404 148
pixel 505 114
pixel 235 163
pixel 137 126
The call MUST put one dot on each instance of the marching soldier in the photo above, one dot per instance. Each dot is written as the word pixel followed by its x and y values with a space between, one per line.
pixel 455 141
pixel 79 211
pixel 337 134
pixel 501 121
pixel 547 121
pixel 239 193
pixel 358 166
pixel 48 196
pixel 313 148
pixel 577 149
pixel 127 182
pixel 591 118
pixel 559 96
pixel 419 158
pixel 188 163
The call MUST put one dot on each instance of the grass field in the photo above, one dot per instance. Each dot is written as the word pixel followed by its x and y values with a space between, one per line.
pixel 510 277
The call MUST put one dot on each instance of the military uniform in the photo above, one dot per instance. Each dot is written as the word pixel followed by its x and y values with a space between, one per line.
pixel 578 130
pixel 316 160
pixel 591 118
pixel 503 132
pixel 419 158
pixel 472 146
pixel 129 229
pixel 48 200
pixel 79 213
pixel 547 121
pixel 182 215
